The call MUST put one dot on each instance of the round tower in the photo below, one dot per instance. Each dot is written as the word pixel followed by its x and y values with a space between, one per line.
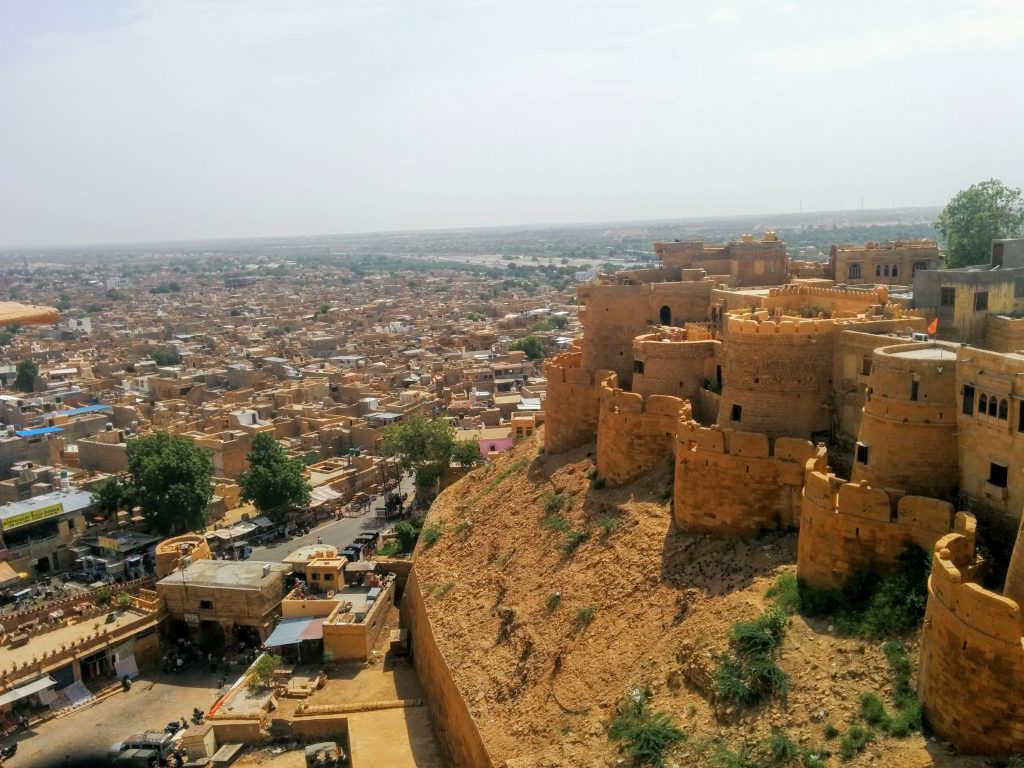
pixel 776 375
pixel 907 437
pixel 169 552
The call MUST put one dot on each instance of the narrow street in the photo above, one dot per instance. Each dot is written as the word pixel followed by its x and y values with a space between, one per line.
pixel 86 735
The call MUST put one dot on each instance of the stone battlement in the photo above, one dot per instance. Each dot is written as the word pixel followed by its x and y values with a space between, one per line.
pixel 737 483
pixel 634 432
pixel 971 676
pixel 619 400
pixel 752 324
pixel 846 527
pixel 879 295
pixel 755 445
pixel 572 404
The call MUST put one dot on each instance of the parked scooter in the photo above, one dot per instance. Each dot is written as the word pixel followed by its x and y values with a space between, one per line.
pixel 7 752
pixel 198 716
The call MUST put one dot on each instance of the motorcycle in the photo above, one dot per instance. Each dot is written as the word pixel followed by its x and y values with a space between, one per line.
pixel 7 752
pixel 198 716
pixel 172 727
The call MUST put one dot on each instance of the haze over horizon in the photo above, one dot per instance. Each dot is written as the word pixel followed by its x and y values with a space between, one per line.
pixel 148 121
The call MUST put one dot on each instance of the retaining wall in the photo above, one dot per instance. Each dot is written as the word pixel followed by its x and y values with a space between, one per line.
pixel 572 403
pixel 454 726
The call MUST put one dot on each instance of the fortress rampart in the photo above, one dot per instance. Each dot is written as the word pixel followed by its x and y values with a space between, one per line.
pixel 908 430
pixel 737 483
pixel 846 527
pixel 971 675
pixel 572 404
pixel 776 375
pixel 635 432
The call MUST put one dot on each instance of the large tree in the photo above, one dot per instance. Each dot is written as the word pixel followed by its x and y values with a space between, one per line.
pixel 273 482
pixel 113 495
pixel 25 380
pixel 423 445
pixel 171 476
pixel 975 217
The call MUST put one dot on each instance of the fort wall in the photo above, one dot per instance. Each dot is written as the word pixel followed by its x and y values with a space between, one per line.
pixel 908 431
pixel 634 432
pixel 738 483
pixel 845 527
pixel 971 674
pixel 776 375
pixel 454 726
pixel 572 404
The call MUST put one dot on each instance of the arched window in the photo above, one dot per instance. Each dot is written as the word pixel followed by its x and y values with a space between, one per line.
pixel 665 316
pixel 993 405
pixel 918 265
pixel 983 403
pixel 886 270
pixel 1004 410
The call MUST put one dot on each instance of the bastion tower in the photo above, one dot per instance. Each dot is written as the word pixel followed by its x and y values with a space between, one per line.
pixel 776 375
pixel 908 431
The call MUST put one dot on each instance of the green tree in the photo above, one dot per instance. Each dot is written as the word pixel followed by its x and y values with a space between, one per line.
pixel 273 482
pixel 25 380
pixel 975 217
pixel 424 445
pixel 164 356
pixel 112 495
pixel 171 476
pixel 6 337
pixel 531 345
pixel 466 453
pixel 63 303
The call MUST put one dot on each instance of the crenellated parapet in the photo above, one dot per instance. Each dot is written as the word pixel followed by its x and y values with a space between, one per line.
pixel 971 675
pixel 776 375
pixel 635 432
pixel 847 527
pixel 169 552
pixel 731 483
pixel 675 361
pixel 572 403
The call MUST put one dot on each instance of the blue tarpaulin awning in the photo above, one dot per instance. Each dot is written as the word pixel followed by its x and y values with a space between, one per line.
pixel 292 631
pixel 39 431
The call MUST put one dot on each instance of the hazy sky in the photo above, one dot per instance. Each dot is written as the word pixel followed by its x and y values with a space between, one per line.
pixel 178 119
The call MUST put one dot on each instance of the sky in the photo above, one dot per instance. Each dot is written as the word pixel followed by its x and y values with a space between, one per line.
pixel 147 120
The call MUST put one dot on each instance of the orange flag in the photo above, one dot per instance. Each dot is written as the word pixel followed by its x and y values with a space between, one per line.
pixel 934 327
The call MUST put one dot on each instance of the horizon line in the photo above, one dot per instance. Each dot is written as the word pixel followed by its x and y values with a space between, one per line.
pixel 128 244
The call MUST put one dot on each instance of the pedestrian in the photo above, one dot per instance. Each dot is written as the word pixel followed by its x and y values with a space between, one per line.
pixel 213 662
pixel 319 540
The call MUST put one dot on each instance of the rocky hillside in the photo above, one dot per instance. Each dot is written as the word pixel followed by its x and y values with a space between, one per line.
pixel 552 599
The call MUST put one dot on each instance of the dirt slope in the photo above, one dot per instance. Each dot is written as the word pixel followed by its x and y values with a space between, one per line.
pixel 541 686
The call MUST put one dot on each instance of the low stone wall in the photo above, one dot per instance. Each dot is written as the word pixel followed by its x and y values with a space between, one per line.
pixel 454 726
pixel 971 676
pixel 846 527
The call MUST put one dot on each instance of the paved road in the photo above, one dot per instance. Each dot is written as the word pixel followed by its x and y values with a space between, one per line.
pixel 336 532
pixel 86 734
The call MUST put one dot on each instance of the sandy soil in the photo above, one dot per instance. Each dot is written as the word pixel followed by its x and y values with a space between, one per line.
pixel 542 687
